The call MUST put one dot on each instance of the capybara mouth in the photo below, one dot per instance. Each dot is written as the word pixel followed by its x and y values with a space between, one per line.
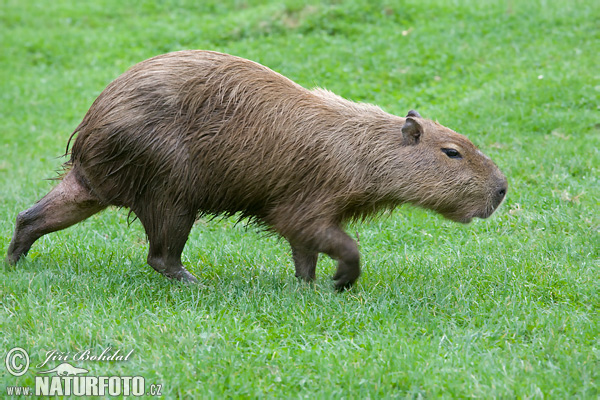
pixel 485 213
pixel 457 217
pixel 468 218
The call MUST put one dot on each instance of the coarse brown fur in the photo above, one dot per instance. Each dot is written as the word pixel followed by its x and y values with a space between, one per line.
pixel 197 132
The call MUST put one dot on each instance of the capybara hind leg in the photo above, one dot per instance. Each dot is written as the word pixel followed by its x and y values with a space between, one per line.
pixel 68 203
pixel 305 262
pixel 167 235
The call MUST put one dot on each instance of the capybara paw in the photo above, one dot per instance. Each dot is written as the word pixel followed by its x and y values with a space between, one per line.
pixel 345 277
pixel 10 259
pixel 184 276
pixel 343 283
pixel 13 256
pixel 305 278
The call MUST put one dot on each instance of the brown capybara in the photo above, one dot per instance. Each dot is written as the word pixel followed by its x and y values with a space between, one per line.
pixel 192 133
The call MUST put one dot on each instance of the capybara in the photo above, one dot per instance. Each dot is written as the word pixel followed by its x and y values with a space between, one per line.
pixel 195 133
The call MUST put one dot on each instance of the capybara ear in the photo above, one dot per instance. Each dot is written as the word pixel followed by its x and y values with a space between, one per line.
pixel 414 113
pixel 412 131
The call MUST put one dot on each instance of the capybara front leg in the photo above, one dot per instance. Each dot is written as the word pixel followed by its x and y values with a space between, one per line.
pixel 339 246
pixel 305 262
pixel 334 242
pixel 167 235
pixel 68 203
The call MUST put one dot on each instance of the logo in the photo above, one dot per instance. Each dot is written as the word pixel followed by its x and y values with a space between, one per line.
pixel 108 354
pixel 65 379
pixel 17 361
pixel 65 369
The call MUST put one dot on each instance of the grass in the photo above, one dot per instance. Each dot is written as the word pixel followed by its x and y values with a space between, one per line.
pixel 502 308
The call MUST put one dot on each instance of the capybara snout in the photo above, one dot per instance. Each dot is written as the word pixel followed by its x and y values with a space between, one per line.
pixel 195 133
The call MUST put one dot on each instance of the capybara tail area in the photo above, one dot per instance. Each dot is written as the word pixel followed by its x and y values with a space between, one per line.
pixel 70 202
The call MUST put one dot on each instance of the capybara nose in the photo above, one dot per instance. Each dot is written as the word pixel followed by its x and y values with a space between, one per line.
pixel 500 192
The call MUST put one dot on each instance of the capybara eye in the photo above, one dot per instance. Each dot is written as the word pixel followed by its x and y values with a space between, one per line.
pixel 452 153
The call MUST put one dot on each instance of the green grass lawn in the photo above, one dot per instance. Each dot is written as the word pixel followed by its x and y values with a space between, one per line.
pixel 506 308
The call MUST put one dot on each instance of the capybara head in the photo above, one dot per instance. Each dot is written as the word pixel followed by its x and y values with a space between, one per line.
pixel 447 173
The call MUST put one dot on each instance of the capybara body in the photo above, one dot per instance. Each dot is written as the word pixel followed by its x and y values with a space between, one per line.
pixel 197 132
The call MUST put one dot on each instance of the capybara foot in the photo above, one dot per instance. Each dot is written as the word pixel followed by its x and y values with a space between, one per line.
pixel 177 272
pixel 22 239
pixel 345 279
pixel 305 263
pixel 183 275
pixel 11 258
